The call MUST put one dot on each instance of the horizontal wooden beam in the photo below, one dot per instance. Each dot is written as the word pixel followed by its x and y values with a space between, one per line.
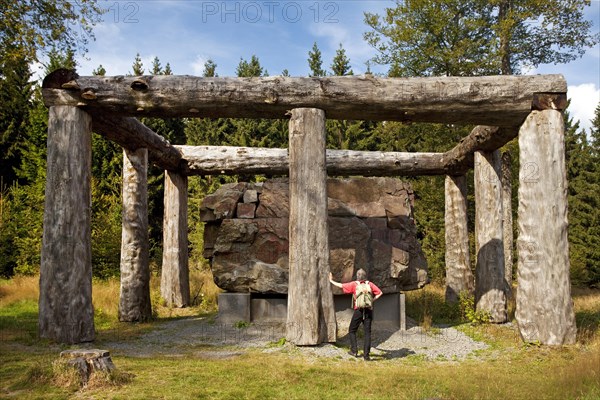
pixel 460 159
pixel 487 100
pixel 226 160
pixel 132 135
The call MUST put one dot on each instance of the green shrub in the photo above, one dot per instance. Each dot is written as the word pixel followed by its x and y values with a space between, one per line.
pixel 468 312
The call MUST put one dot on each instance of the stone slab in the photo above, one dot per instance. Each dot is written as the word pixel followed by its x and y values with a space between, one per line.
pixel 234 307
pixel 271 309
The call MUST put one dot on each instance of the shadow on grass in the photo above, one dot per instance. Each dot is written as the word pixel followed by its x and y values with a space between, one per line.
pixel 391 354
pixel 588 325
pixel 19 321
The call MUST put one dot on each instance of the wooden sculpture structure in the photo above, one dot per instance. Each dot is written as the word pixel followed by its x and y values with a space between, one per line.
pixel 502 107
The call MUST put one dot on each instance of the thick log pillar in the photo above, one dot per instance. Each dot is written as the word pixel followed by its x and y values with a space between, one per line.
pixel 507 220
pixel 175 283
pixel 311 313
pixel 544 309
pixel 459 277
pixel 66 313
pixel 134 302
pixel 490 286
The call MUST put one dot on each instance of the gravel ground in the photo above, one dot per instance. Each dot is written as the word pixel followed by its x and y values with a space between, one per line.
pixel 207 338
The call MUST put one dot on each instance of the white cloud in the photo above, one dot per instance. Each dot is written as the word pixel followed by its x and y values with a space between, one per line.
pixel 333 33
pixel 198 65
pixel 584 100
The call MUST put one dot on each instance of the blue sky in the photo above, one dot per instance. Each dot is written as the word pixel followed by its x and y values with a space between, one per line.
pixel 186 33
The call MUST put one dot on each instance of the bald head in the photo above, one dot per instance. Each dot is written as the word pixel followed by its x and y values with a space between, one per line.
pixel 361 275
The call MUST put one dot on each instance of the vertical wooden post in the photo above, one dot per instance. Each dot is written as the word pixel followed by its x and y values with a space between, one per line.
pixel 458 264
pixel 311 312
pixel 507 220
pixel 490 287
pixel 175 284
pixel 134 302
pixel 66 313
pixel 544 309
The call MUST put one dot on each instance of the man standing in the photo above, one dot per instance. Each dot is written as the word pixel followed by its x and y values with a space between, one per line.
pixel 364 293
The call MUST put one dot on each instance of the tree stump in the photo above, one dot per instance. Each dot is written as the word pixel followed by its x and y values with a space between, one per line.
pixel 88 362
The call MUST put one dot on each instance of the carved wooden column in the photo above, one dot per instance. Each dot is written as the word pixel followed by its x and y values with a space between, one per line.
pixel 458 264
pixel 311 312
pixel 507 220
pixel 134 302
pixel 66 313
pixel 175 284
pixel 490 287
pixel 544 307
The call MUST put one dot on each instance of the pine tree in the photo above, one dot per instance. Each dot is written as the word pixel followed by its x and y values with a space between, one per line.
pixel 156 67
pixel 138 66
pixel 100 71
pixel 15 94
pixel 61 59
pixel 246 69
pixel 315 62
pixel 168 70
pixel 583 189
pixel 210 69
pixel 341 63
pixel 27 198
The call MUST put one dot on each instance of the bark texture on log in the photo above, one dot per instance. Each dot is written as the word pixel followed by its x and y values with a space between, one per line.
pixel 459 159
pixel 219 160
pixel 174 283
pixel 66 313
pixel 131 134
pixel 490 286
pixel 544 309
pixel 134 302
pixel 507 221
pixel 458 264
pixel 489 100
pixel 311 312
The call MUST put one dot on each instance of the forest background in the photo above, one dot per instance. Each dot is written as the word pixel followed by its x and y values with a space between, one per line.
pixel 413 38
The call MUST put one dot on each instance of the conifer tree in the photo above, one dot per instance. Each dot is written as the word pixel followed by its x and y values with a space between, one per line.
pixel 341 63
pixel 15 93
pixel 582 176
pixel 138 66
pixel 246 69
pixel 210 69
pixel 315 62
pixel 100 71
pixel 156 67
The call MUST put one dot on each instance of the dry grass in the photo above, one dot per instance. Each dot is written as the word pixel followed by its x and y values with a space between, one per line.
pixel 19 288
pixel 586 303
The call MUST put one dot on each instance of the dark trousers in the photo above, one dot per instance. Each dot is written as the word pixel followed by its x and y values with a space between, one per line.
pixel 364 316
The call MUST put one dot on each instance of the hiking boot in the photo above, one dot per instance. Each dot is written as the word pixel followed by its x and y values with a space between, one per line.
pixel 353 353
pixel 367 358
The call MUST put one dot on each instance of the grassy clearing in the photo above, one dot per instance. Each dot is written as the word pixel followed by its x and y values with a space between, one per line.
pixel 509 369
